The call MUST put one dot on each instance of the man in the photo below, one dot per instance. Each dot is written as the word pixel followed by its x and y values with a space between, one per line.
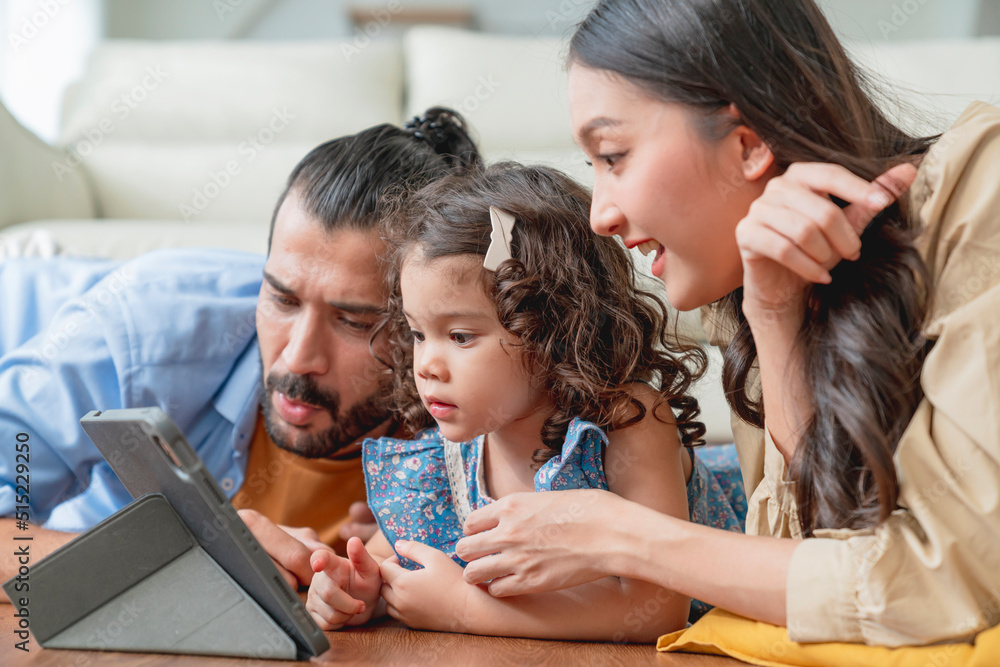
pixel 271 380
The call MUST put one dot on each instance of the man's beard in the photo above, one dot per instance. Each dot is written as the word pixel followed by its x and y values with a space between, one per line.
pixel 344 429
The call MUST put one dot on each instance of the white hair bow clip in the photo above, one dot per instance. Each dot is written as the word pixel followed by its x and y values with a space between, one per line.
pixel 500 237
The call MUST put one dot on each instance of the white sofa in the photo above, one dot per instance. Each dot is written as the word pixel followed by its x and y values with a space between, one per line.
pixel 189 143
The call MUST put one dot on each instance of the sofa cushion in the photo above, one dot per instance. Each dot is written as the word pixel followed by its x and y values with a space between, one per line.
pixel 125 239
pixel 511 89
pixel 231 181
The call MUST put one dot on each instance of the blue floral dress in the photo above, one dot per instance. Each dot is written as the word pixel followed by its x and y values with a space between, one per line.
pixel 423 489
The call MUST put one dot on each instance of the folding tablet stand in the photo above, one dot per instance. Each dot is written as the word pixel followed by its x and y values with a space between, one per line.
pixel 139 581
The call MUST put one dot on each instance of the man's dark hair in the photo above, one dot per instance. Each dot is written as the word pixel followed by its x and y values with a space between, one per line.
pixel 342 183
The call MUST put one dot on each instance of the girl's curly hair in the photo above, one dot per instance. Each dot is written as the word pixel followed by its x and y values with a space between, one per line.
pixel 585 327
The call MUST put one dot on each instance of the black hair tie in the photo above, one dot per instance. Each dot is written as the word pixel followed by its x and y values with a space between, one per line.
pixel 431 131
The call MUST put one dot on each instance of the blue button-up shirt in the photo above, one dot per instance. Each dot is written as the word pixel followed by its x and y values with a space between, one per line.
pixel 174 328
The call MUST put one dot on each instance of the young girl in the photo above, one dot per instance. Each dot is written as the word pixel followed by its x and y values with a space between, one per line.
pixel 526 339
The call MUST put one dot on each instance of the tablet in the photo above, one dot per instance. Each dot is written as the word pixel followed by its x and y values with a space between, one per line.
pixel 150 455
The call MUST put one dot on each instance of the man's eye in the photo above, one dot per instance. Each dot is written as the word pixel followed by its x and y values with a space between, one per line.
pixel 282 300
pixel 357 326
pixel 609 160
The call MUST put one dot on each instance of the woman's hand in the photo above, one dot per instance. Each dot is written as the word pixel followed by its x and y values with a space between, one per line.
pixel 794 234
pixel 432 598
pixel 537 542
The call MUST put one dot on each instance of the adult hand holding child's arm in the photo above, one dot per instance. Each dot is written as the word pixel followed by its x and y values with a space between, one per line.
pixel 534 543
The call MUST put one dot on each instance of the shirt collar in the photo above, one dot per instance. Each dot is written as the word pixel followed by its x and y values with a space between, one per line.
pixel 240 392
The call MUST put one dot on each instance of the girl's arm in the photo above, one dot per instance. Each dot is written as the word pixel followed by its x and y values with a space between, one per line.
pixel 643 464
pixel 437 598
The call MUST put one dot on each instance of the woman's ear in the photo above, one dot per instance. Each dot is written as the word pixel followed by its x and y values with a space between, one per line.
pixel 756 157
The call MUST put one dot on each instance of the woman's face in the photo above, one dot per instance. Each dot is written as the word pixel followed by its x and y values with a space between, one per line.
pixel 660 184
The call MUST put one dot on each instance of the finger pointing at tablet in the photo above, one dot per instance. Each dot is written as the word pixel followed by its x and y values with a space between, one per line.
pixel 290 555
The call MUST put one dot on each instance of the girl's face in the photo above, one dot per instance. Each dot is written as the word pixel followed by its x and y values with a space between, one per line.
pixel 467 367
pixel 659 181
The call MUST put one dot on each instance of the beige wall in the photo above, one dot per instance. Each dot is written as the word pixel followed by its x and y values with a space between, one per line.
pixel 290 19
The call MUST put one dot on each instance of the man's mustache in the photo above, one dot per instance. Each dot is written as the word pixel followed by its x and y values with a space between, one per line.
pixel 303 389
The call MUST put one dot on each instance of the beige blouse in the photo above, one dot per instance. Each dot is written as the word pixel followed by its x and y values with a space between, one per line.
pixel 931 572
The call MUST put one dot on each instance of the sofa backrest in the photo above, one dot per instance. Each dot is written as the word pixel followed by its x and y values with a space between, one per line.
pixel 927 84
pixel 210 131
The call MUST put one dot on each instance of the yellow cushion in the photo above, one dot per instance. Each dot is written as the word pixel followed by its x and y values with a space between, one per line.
pixel 722 633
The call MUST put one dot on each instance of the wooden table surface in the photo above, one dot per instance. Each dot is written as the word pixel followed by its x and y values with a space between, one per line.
pixel 383 643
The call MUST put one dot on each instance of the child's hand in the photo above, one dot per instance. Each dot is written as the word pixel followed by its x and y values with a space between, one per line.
pixel 434 598
pixel 344 591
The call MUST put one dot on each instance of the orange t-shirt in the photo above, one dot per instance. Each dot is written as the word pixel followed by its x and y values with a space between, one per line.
pixel 296 491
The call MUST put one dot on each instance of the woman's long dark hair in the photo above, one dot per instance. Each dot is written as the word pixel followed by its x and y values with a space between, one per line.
pixel 780 64
pixel 585 328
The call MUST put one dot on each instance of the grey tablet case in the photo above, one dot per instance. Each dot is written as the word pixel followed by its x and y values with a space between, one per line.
pixel 150 455
pixel 139 581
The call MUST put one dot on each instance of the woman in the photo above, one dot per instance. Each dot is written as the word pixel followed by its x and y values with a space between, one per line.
pixel 738 140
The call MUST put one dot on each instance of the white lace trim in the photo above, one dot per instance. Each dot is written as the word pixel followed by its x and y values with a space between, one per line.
pixel 457 479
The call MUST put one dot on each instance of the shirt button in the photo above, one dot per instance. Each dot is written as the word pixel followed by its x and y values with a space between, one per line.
pixel 226 483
